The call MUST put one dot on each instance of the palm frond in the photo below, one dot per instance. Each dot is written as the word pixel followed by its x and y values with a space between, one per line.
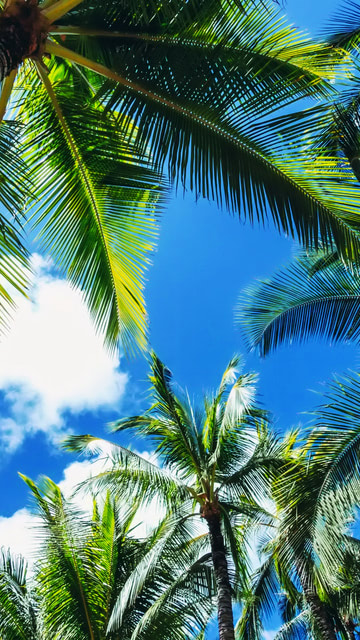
pixel 18 610
pixel 129 473
pixel 207 138
pixel 295 629
pixel 346 33
pixel 260 602
pixel 96 213
pixel 302 301
pixel 15 190
pixel 183 587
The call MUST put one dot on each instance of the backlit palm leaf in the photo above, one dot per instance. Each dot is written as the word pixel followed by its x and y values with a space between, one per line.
pixel 96 211
pixel 18 609
pixel 86 565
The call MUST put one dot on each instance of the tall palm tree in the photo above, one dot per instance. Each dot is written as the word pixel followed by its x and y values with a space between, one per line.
pixel 276 588
pixel 214 465
pixel 310 568
pixel 94 96
pixel 83 572
pixel 290 577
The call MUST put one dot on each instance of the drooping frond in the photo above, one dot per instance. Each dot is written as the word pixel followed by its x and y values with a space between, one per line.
pixel 335 446
pixel 343 30
pixel 185 587
pixel 296 629
pixel 302 301
pixel 259 603
pixel 96 212
pixel 202 126
pixel 65 577
pixel 15 190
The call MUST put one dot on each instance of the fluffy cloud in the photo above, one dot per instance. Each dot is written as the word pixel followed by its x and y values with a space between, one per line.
pixel 17 533
pixel 52 361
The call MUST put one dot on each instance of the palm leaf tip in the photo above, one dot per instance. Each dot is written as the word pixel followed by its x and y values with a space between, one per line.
pixel 78 444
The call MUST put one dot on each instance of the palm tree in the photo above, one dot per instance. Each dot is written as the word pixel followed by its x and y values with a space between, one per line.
pixel 315 296
pixel 290 577
pixel 327 495
pixel 214 465
pixel 310 567
pixel 94 96
pixel 84 569
pixel 275 588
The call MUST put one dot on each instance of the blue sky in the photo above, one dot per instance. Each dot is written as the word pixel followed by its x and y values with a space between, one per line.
pixel 55 378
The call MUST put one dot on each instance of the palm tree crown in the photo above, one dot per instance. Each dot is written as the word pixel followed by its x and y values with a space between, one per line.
pixel 215 465
pixel 98 100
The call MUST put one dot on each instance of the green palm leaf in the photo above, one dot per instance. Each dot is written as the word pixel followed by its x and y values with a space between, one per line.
pixel 296 629
pixel 306 299
pixel 18 610
pixel 200 129
pixel 15 189
pixel 96 213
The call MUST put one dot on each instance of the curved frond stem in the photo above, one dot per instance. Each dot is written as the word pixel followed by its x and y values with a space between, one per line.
pixel 58 50
pixel 47 3
pixel 45 79
pixel 59 9
pixel 6 90
pixel 70 30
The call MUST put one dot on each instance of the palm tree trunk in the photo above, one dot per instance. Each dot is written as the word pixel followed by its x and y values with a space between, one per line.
pixel 320 614
pixel 12 48
pixel 223 587
pixel 350 628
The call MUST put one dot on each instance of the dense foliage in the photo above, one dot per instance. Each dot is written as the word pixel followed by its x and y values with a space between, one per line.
pixel 103 105
pixel 115 100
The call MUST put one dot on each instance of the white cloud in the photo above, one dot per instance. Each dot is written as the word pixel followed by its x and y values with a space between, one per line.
pixel 52 361
pixel 269 635
pixel 17 533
